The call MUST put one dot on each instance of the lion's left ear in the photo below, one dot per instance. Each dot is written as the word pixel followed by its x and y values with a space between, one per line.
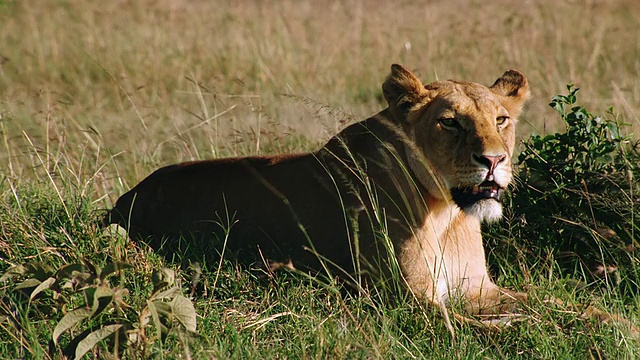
pixel 402 90
pixel 514 88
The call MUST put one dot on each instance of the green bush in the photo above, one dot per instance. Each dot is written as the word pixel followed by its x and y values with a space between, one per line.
pixel 576 198
pixel 95 310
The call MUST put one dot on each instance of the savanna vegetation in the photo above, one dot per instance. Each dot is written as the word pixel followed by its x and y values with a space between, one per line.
pixel 95 95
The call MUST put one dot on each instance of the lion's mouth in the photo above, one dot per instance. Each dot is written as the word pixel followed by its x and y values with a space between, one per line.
pixel 469 195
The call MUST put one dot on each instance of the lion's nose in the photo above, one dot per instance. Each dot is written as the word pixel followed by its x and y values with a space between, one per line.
pixel 490 161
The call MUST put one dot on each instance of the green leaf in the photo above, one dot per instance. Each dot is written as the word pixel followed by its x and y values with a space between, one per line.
pixel 118 297
pixel 113 267
pixel 70 319
pixel 614 131
pixel 28 285
pixel 68 270
pixel 162 278
pixel 91 267
pixel 42 287
pixel 161 315
pixel 184 311
pixel 154 316
pixel 12 272
pixel 168 294
pixel 94 338
pixel 102 297
pixel 39 271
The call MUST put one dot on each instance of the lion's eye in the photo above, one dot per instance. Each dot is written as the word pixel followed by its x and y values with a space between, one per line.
pixel 502 120
pixel 450 123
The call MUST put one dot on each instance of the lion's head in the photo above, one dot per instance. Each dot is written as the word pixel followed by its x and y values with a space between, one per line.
pixel 461 135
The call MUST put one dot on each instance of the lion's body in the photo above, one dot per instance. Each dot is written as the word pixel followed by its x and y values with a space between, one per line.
pixel 280 204
pixel 408 186
pixel 410 174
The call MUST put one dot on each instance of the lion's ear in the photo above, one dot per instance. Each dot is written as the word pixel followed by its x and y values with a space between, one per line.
pixel 513 85
pixel 402 90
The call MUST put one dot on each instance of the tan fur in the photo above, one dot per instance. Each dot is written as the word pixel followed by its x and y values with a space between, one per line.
pixel 329 210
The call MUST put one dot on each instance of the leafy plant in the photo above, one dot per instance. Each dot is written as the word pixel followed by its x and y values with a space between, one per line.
pixel 577 195
pixel 99 309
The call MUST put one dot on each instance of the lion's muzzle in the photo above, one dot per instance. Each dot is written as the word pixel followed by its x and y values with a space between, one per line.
pixel 468 195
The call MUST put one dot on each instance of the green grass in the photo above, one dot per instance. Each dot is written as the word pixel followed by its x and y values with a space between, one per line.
pixel 94 96
pixel 248 315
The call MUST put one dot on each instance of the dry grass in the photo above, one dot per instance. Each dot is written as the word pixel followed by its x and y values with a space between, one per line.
pixel 163 81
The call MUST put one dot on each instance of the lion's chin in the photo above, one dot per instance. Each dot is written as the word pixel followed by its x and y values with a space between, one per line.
pixel 483 201
pixel 487 210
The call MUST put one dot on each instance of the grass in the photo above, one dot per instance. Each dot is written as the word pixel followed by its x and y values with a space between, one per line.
pixel 95 96
pixel 249 316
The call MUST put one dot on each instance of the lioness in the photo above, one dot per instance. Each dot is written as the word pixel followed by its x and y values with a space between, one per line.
pixel 408 186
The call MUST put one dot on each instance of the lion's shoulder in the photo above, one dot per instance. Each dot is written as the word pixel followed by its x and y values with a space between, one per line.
pixel 364 139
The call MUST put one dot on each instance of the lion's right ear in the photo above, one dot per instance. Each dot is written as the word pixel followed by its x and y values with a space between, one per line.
pixel 402 90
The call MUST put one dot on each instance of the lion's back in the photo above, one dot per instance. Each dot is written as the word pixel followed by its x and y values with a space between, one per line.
pixel 262 200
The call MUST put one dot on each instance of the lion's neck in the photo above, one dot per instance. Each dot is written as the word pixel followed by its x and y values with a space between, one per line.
pixel 441 215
